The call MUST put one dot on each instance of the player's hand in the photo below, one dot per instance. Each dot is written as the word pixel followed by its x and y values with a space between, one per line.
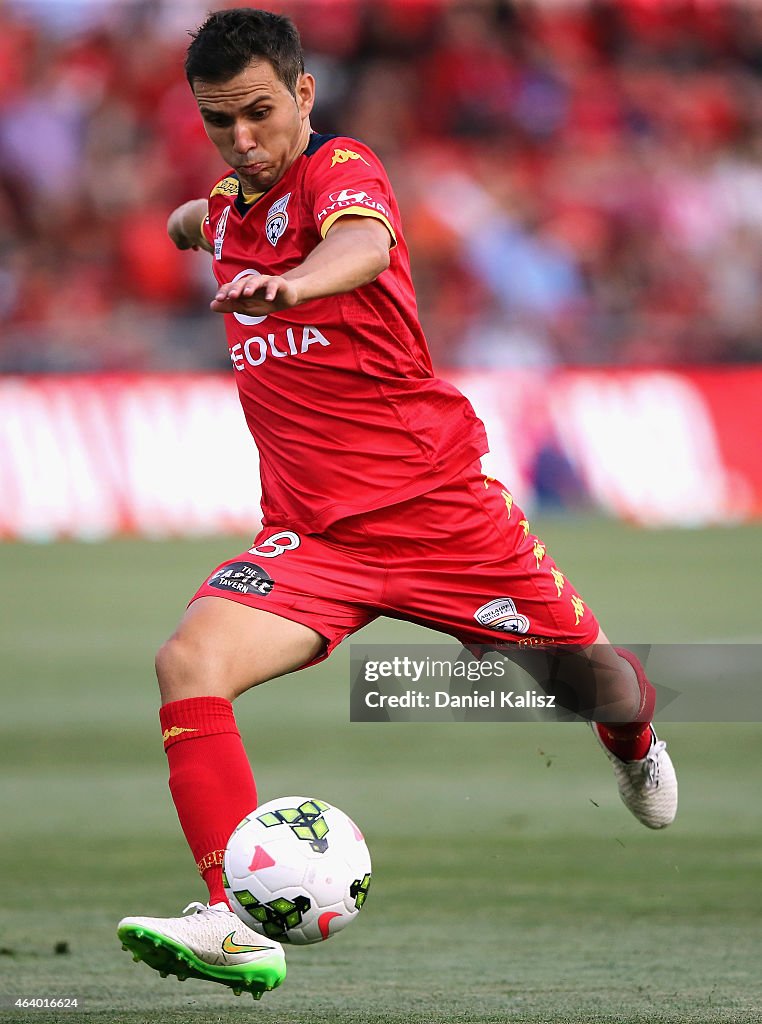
pixel 256 295
pixel 184 225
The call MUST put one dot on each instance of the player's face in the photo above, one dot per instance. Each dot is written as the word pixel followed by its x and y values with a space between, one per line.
pixel 257 125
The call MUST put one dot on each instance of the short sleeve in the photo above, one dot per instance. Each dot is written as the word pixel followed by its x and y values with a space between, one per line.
pixel 347 178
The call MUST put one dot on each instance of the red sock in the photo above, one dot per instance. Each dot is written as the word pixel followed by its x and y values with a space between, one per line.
pixel 631 741
pixel 209 777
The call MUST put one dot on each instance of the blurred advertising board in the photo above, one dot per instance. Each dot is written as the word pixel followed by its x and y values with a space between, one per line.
pixel 169 455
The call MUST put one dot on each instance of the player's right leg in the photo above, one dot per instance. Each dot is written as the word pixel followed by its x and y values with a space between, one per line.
pixel 220 649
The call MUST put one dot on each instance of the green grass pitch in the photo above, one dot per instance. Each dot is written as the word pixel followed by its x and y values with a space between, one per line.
pixel 509 882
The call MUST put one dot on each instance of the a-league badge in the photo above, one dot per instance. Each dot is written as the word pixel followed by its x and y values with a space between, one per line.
pixel 277 219
pixel 219 234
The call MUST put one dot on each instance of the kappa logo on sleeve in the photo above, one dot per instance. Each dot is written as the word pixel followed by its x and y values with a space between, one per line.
pixel 243 578
pixel 343 156
pixel 226 187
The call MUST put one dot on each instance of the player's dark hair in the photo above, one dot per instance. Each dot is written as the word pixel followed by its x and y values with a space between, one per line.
pixel 229 40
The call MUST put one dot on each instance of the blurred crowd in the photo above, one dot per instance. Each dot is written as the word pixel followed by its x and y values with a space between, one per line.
pixel 580 184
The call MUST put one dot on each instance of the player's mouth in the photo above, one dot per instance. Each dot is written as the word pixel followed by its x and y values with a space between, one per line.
pixel 252 168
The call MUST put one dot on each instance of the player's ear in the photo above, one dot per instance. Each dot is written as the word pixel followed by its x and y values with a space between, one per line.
pixel 305 93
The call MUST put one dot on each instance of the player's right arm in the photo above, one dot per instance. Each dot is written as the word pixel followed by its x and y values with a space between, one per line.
pixel 184 225
pixel 353 253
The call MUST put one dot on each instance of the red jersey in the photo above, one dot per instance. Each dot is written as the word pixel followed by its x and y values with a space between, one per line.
pixel 339 393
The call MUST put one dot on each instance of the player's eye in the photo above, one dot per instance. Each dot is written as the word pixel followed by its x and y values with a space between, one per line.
pixel 260 113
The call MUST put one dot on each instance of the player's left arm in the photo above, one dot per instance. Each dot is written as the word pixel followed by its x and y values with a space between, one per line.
pixel 353 253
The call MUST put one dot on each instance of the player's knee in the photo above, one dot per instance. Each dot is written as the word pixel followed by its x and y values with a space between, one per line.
pixel 185 668
pixel 621 709
pixel 619 698
pixel 172 665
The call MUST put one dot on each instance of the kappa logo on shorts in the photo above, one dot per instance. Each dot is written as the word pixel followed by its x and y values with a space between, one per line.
pixel 243 578
pixel 501 615
pixel 578 607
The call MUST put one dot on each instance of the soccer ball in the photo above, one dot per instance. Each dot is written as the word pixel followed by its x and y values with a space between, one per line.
pixel 297 870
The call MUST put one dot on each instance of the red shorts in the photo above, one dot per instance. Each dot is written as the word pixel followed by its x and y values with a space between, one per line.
pixel 460 559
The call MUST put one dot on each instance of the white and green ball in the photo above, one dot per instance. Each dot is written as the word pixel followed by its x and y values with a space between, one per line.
pixel 297 870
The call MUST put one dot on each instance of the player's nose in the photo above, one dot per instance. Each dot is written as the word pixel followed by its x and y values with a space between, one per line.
pixel 244 138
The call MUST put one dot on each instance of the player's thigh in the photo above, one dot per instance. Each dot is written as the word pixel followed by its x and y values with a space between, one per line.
pixel 283 604
pixel 223 648
pixel 473 567
pixel 515 592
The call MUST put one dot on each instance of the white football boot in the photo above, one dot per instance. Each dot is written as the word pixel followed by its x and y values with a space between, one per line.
pixel 211 944
pixel 648 787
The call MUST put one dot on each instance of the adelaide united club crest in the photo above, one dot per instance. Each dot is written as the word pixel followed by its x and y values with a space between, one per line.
pixel 277 219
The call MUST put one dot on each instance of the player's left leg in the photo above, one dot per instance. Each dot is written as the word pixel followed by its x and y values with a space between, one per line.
pixel 608 685
pixel 643 769
pixel 467 563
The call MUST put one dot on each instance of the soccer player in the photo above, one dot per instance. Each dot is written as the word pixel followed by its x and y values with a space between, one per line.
pixel 373 498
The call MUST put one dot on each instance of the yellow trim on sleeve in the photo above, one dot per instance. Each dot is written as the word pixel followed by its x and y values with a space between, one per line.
pixel 357 211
